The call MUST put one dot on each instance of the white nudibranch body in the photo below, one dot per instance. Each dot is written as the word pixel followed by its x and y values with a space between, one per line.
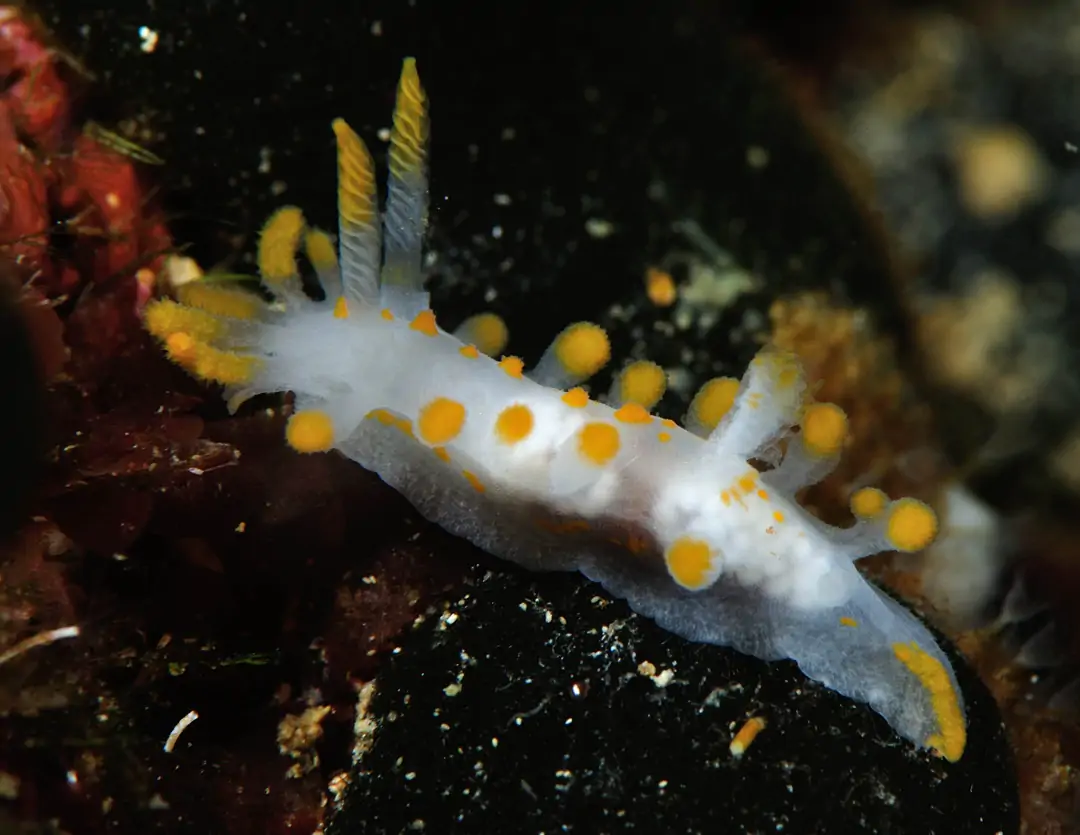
pixel 677 520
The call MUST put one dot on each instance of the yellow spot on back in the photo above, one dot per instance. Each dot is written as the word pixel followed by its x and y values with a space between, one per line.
pixel 714 400
pixel 485 330
pixel 911 525
pixel 633 413
pixel 660 287
pixel 668 422
pixel 598 442
pixel 689 562
pixel 513 366
pixel 278 243
pixel 341 308
pixel 477 485
pixel 824 429
pixel 425 323
pixel 642 382
pixel 663 437
pixel 163 317
pixel 846 621
pixel 220 301
pixel 868 503
pixel 514 423
pixel 582 349
pixel 951 737
pixel 387 314
pixel 746 735
pixel 440 421
pixel 310 431
pixel 725 497
pixel 469 351
pixel 778 516
pixel 763 495
pixel 576 398
pixel 320 249
pixel 747 483
pixel 442 454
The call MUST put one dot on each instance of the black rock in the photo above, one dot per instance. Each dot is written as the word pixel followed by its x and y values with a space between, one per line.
pixel 536 703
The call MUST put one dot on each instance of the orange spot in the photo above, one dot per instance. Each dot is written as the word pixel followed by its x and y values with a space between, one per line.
pixel 514 423
pixel 725 497
pixel 660 287
pixel 598 442
pixel 778 516
pixel 576 398
pixel 441 421
pixel 663 437
pixel 512 366
pixel 386 314
pixel 746 735
pixel 763 495
pixel 669 423
pixel 469 351
pixel 383 416
pixel 442 454
pixel 476 483
pixel 748 482
pixel 633 413
pixel 341 308
pixel 425 323
pixel 689 562
pixel 846 621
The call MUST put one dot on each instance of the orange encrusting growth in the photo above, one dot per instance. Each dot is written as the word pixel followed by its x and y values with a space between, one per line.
pixel 951 738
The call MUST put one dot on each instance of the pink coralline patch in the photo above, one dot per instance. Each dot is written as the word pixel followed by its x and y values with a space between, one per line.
pixel 24 210
pixel 101 188
pixel 30 66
